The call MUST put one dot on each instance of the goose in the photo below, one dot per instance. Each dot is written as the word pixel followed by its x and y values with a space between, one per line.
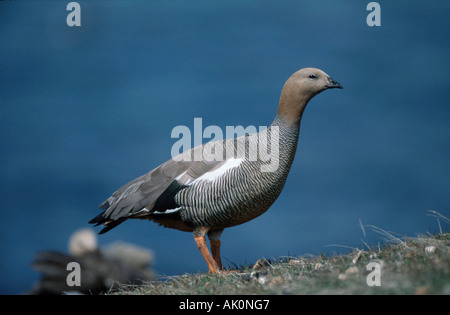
pixel 221 183
pixel 101 268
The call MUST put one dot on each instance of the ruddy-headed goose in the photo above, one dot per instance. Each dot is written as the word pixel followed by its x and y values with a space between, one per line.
pixel 222 183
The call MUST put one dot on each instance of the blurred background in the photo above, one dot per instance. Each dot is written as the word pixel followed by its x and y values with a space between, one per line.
pixel 84 110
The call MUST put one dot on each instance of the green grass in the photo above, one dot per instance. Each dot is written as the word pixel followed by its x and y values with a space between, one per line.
pixel 408 266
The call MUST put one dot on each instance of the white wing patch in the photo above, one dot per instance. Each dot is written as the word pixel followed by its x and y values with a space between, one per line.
pixel 168 211
pixel 229 164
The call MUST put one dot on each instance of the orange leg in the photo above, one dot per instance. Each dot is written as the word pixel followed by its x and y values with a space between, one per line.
pixel 212 264
pixel 215 249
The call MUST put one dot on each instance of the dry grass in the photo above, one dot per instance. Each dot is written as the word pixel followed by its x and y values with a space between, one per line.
pixel 408 266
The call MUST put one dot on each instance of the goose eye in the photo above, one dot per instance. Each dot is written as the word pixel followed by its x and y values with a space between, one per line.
pixel 312 76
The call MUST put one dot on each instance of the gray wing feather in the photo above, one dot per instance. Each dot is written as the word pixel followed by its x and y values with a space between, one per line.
pixel 142 192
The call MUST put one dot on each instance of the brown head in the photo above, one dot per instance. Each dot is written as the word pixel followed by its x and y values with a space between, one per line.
pixel 298 91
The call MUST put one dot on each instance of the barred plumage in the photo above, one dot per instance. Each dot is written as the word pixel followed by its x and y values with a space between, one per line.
pixel 243 192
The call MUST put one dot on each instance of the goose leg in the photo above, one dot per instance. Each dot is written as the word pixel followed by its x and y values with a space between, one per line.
pixel 201 243
pixel 214 239
pixel 215 250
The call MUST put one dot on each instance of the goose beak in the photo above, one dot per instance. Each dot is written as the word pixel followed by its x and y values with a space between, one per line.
pixel 333 84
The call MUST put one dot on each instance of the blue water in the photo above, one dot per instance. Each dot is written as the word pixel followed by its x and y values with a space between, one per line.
pixel 83 110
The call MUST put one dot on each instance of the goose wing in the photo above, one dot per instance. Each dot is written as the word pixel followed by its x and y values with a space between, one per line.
pixel 156 189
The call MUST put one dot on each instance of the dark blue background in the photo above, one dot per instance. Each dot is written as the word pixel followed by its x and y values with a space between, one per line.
pixel 83 110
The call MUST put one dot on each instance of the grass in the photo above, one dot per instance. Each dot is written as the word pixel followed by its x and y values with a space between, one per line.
pixel 418 265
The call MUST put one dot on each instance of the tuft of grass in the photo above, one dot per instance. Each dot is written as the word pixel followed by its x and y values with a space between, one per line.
pixel 418 265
